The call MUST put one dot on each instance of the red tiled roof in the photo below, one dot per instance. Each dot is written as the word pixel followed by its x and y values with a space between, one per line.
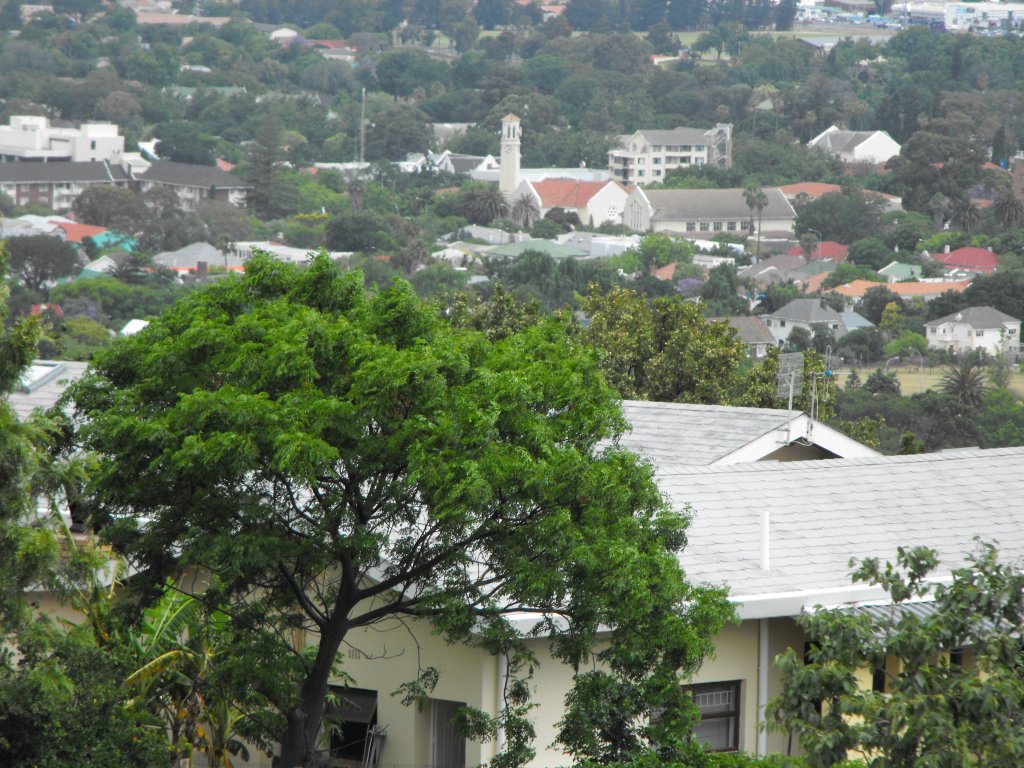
pixel 75 233
pixel 815 189
pixel 826 249
pixel 969 257
pixel 567 193
pixel 665 273
pixel 813 283
pixel 858 288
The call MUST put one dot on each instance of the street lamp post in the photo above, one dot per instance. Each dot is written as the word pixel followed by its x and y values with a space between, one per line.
pixel 817 250
pixel 885 368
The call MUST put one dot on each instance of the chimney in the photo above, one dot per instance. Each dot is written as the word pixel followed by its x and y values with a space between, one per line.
pixel 946 249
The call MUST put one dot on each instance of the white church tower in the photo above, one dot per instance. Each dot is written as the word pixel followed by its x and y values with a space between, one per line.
pixel 511 132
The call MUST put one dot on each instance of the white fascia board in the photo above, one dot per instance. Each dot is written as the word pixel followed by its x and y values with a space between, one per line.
pixel 779 604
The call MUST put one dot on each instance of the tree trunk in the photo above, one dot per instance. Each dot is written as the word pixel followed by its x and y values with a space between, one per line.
pixel 300 740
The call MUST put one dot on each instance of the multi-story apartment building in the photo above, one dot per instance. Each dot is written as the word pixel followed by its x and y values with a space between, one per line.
pixel 647 155
pixel 29 137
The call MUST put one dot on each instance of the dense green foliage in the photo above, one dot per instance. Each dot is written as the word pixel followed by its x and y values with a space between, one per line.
pixel 931 707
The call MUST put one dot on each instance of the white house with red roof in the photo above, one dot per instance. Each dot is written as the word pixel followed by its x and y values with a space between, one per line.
pixel 595 202
pixel 969 259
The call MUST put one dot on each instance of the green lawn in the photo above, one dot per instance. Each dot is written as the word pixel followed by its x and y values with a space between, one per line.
pixel 913 379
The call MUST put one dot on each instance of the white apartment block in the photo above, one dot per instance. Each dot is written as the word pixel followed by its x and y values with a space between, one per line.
pixel 29 137
pixel 646 156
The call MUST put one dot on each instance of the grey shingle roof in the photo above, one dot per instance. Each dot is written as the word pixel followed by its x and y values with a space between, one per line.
pixel 807 311
pixel 822 513
pixel 841 142
pixel 977 317
pixel 61 171
pixel 24 402
pixel 687 433
pixel 188 175
pixel 751 330
pixel 682 204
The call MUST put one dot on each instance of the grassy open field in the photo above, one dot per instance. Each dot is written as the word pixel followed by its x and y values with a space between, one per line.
pixel 914 379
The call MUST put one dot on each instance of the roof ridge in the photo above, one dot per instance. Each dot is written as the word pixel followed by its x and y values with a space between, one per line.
pixel 783 466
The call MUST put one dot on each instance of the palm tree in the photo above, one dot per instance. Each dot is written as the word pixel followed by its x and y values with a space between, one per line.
pixel 1008 210
pixel 525 210
pixel 965 381
pixel 965 215
pixel 756 199
pixel 482 205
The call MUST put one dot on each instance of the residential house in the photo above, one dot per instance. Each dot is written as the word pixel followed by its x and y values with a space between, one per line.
pixel 595 202
pixel 56 185
pixel 854 321
pixel 808 314
pixel 461 165
pixel 646 156
pixel 754 334
pixel 968 259
pixel 973 329
pixel 245 251
pixel 598 246
pixel 33 138
pixel 874 147
pixel 923 289
pixel 704 212
pixel 827 250
pixel 895 271
pixel 198 257
pixel 774 269
pixel 194 183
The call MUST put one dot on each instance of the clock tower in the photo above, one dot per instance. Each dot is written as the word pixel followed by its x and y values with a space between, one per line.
pixel 511 132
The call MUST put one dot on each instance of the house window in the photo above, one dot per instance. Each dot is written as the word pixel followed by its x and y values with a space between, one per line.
pixel 1012 331
pixel 703 226
pixel 656 160
pixel 657 173
pixel 979 333
pixel 639 173
pixel 719 705
pixel 691 226
pixel 768 322
pixel 92 145
pixel 782 323
pixel 933 330
pixel 718 226
pixel 731 226
pixel 698 147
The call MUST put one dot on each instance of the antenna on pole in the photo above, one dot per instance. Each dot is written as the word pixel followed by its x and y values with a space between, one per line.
pixel 790 383
pixel 818 395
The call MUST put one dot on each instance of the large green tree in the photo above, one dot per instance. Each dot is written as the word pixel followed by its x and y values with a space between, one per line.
pixel 333 459
pixel 38 260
